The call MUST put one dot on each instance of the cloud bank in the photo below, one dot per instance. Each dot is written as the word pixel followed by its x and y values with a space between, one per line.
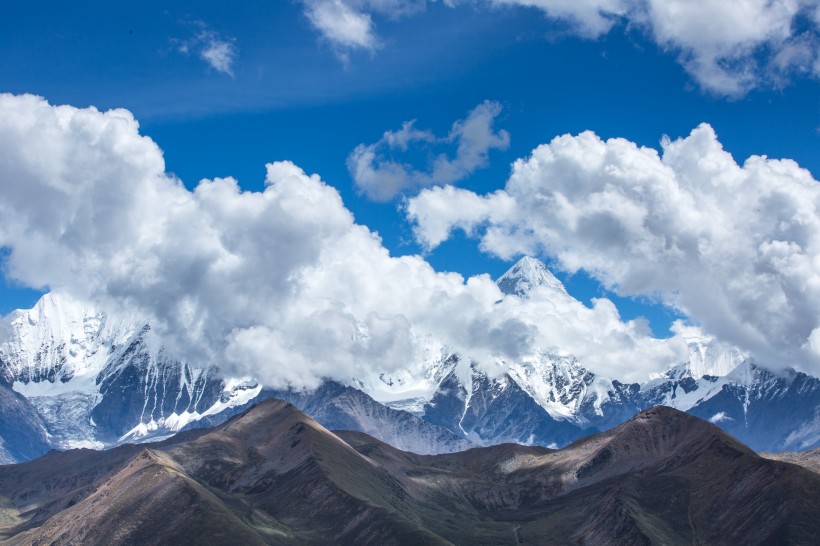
pixel 381 178
pixel 728 48
pixel 734 247
pixel 280 284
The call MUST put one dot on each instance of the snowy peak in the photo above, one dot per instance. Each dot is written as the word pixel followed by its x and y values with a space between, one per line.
pixel 559 384
pixel 58 339
pixel 526 274
pixel 709 356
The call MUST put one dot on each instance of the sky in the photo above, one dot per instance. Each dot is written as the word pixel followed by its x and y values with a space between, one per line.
pixel 660 156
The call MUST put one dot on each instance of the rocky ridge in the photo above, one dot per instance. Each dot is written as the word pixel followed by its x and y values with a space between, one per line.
pixel 272 475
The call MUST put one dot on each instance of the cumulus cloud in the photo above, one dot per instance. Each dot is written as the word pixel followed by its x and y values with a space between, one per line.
pixel 382 178
pixel 280 284
pixel 734 247
pixel 728 48
pixel 218 53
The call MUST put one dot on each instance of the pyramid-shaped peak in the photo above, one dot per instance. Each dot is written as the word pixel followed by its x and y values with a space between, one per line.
pixel 526 274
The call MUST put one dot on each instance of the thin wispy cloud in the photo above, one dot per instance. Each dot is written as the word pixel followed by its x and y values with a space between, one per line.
pixel 347 25
pixel 342 25
pixel 218 53
pixel 381 177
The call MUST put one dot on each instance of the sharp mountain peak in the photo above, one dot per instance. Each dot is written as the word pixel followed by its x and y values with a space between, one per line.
pixel 528 273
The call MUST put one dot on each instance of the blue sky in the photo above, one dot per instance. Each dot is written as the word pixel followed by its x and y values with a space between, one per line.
pixel 289 91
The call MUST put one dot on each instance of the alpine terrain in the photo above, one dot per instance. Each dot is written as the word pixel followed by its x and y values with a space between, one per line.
pixel 71 376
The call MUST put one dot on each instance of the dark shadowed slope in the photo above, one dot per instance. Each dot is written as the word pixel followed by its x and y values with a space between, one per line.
pixel 23 434
pixel 273 475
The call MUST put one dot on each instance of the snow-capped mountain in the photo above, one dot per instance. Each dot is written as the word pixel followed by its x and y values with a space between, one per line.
pixel 556 401
pixel 764 409
pixel 709 356
pixel 341 407
pixel 60 340
pixel 551 399
pixel 96 379
pixel 527 274
pixel 72 376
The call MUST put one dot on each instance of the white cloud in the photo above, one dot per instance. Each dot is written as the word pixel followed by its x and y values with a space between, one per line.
pixel 720 417
pixel 734 247
pixel 728 48
pixel 279 284
pixel 348 24
pixel 590 18
pixel 341 24
pixel 217 52
pixel 381 178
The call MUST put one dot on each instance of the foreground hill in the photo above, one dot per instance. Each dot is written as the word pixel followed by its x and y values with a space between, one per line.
pixel 272 475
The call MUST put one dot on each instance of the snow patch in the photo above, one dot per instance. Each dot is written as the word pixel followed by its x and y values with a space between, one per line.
pixel 84 444
pixel 239 392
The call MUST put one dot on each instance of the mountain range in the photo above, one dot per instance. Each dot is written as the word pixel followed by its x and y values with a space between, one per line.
pixel 72 377
pixel 272 475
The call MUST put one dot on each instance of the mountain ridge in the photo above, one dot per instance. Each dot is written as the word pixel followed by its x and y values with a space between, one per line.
pixel 273 475
pixel 86 379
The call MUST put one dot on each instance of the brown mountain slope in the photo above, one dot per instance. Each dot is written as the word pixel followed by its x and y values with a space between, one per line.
pixel 123 509
pixel 808 459
pixel 273 475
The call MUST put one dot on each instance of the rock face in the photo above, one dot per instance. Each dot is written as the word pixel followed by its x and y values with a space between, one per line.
pixel 23 434
pixel 339 407
pixel 139 385
pixel 272 475
pixel 496 411
pixel 766 410
pixel 552 400
pixel 87 380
